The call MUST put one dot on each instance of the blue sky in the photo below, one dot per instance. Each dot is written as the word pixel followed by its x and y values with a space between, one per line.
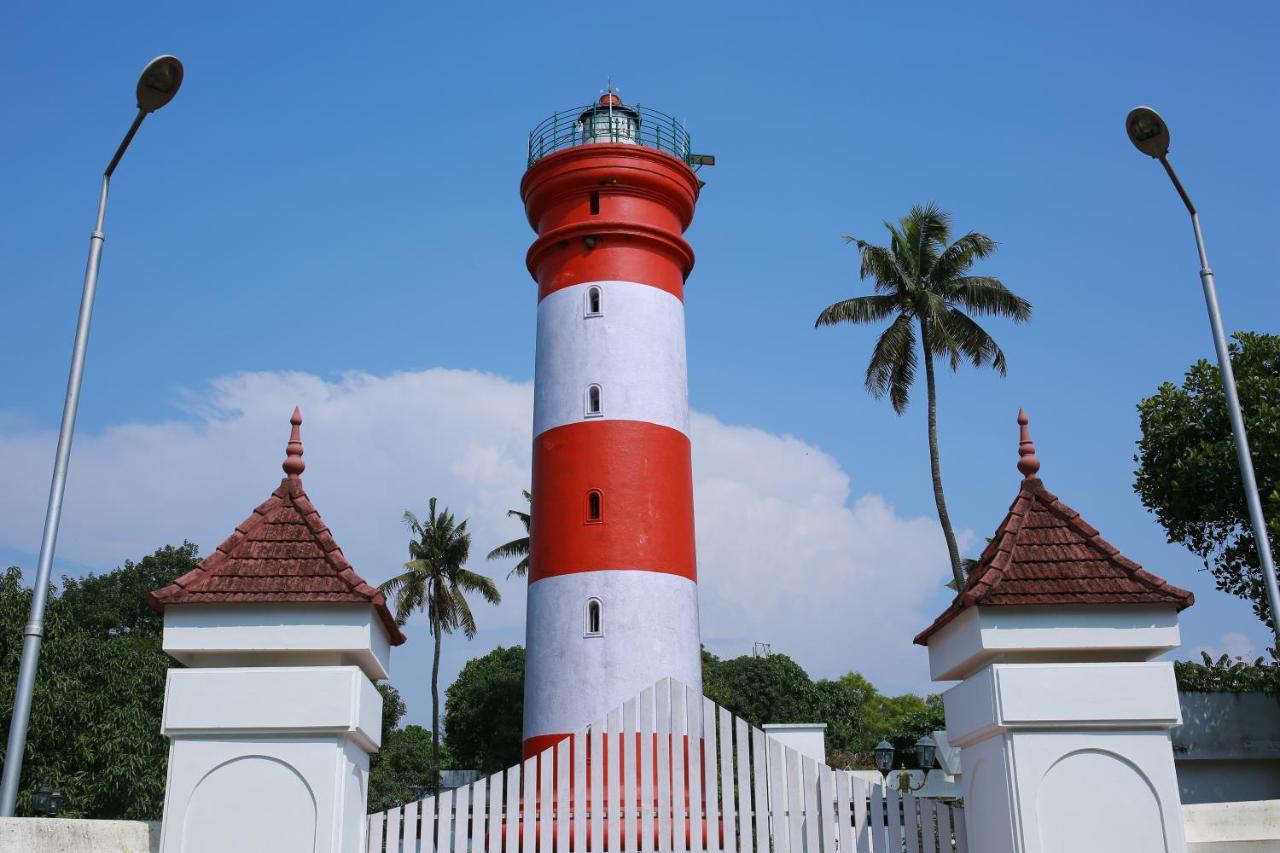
pixel 337 191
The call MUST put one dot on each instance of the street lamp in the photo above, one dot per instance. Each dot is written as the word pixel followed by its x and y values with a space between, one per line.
pixel 46 802
pixel 926 749
pixel 157 85
pixel 1150 135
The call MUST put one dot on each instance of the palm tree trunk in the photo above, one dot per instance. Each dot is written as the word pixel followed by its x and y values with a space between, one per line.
pixel 435 709
pixel 935 466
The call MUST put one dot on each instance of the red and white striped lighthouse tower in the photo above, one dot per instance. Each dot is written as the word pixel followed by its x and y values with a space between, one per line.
pixel 613 596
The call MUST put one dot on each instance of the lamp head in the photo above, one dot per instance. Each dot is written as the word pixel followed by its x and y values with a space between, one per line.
pixel 159 82
pixel 883 754
pixel 1148 132
pixel 926 750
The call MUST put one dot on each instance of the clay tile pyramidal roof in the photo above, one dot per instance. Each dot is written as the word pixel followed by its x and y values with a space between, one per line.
pixel 1045 553
pixel 281 554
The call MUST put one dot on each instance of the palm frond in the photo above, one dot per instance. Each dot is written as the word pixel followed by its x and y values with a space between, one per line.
pixel 978 346
pixel 987 296
pixel 514 548
pixel 860 309
pixel 960 255
pixel 893 363
pixel 469 581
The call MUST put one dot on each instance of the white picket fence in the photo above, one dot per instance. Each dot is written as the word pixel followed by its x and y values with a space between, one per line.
pixel 742 792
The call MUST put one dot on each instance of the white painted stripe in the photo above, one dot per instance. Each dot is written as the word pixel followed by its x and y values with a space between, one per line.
pixel 650 622
pixel 634 350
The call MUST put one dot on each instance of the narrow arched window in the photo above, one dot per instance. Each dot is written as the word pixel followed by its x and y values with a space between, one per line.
pixel 594 622
pixel 593 401
pixel 593 302
pixel 595 507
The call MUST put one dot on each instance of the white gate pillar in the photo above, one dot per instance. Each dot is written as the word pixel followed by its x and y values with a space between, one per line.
pixel 1061 713
pixel 272 721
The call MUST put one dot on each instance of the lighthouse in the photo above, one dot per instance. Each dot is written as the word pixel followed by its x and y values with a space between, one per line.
pixel 613 596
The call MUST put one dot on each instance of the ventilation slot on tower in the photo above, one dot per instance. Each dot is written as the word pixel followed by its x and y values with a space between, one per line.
pixel 595 204
pixel 595 507
pixel 593 302
pixel 594 409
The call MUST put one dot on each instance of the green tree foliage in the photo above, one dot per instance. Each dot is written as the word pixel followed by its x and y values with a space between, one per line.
pixel 923 282
pixel 516 547
pixel 775 689
pixel 1187 472
pixel 404 769
pixel 95 721
pixel 437 581
pixel 1227 675
pixel 484 711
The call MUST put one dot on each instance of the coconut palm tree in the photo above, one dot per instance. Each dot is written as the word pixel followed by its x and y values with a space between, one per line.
pixel 922 282
pixel 516 547
pixel 435 580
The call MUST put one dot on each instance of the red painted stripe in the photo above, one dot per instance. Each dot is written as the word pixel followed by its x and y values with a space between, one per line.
pixel 645 479
pixel 621 253
pixel 643 202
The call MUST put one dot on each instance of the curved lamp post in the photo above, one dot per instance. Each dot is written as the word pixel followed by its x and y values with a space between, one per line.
pixel 1150 135
pixel 157 85
pixel 926 752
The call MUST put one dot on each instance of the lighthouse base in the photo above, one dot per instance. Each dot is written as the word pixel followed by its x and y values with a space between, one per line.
pixel 648 630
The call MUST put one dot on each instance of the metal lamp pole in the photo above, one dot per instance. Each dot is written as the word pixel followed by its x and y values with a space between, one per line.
pixel 157 85
pixel 1150 135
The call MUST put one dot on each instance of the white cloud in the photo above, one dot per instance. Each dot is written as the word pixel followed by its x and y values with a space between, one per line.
pixel 1233 644
pixel 783 556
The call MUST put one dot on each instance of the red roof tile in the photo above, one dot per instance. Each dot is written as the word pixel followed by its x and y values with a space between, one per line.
pixel 1045 553
pixel 281 554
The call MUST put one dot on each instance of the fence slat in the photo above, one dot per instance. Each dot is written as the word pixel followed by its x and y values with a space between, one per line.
pixel 795 801
pixel 911 823
pixel 742 745
pixel 662 708
pixel 861 823
pixel 679 776
pixel 546 798
pixel 563 766
pixel 427 814
pixel 375 832
pixel 493 834
pixel 393 830
pixel 648 742
pixel 467 805
pixel 826 804
pixel 958 828
pixel 510 821
pixel 444 822
pixel 613 779
pixel 710 760
pixel 410 825
pixel 728 835
pixel 580 792
pixel 529 805
pixel 844 816
pixel 628 813
pixel 777 802
pixel 812 811
pixel 760 790
pixel 595 769
pixel 693 766
pixel 876 821
pixel 893 819
pixel 928 819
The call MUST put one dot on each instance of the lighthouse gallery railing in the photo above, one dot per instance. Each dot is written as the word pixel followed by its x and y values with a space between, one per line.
pixel 593 123
pixel 651 792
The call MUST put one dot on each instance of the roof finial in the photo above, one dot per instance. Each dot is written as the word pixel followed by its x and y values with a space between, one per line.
pixel 293 464
pixel 1028 462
